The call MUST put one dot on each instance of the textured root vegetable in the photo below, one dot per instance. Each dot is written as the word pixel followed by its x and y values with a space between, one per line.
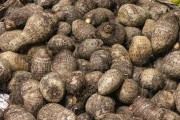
pixel 84 116
pixel 17 78
pixel 170 115
pixel 45 3
pixel 82 30
pixel 170 85
pixel 53 111
pixel 62 3
pixel 85 6
pixel 41 64
pixel 140 50
pixel 132 15
pixel 68 13
pixel 39 27
pixel 164 99
pixel 64 63
pixel 121 60
pixel 110 81
pixel 148 28
pixel 87 47
pixel 60 42
pixel 124 110
pixel 92 79
pixel 170 65
pixel 83 65
pixel 100 60
pixel 5 70
pixel 75 83
pixel 52 87
pixel 15 112
pixel 152 79
pixel 19 16
pixel 98 105
pixel 165 33
pixel 129 91
pixel 2 28
pixel 6 37
pixel 137 72
pixel 64 28
pixel 113 116
pixel 177 95
pixel 17 61
pixel 32 97
pixel 110 4
pixel 98 16
pixel 111 33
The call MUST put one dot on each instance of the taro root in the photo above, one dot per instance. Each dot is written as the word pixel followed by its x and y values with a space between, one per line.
pixel 170 85
pixel 132 15
pixel 170 65
pixel 170 115
pixel 84 116
pixel 64 28
pixel 140 50
pixel 82 30
pixel 111 33
pixel 6 37
pixel 165 33
pixel 60 42
pixel 15 112
pixel 129 91
pixel 75 83
pixel 16 61
pixel 52 87
pixel 164 99
pixel 19 16
pixel 83 65
pixel 87 47
pixel 17 78
pixel 98 105
pixel 124 110
pixel 177 95
pixel 5 70
pixel 53 111
pixel 2 28
pixel 31 95
pixel 41 64
pixel 152 79
pixel 61 4
pixel 121 60
pixel 100 60
pixel 98 16
pixel 148 28
pixel 137 72
pixel 85 6
pixel 64 63
pixel 39 27
pixel 110 81
pixel 110 4
pixel 45 3
pixel 68 13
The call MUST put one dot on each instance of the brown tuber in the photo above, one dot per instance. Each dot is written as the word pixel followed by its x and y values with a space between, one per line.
pixel 64 28
pixel 5 70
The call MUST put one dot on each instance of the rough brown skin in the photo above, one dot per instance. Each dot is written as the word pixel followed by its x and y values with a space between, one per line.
pixel 177 95
pixel 83 65
pixel 2 28
pixel 62 3
pixel 82 30
pixel 170 115
pixel 98 16
pixel 110 4
pixel 53 111
pixel 15 112
pixel 5 70
pixel 60 42
pixel 132 15
pixel 129 91
pixel 17 61
pixel 100 60
pixel 52 87
pixel 46 3
pixel 98 105
pixel 111 33
pixel 85 6
pixel 40 64
pixel 152 79
pixel 19 16
pixel 110 81
pixel 140 50
pixel 45 24
pixel 31 95
pixel 170 65
pixel 64 63
pixel 121 60
pixel 84 116
pixel 68 14
pixel 137 72
pixel 164 99
pixel 113 116
pixel 64 28
pixel 85 49
pixel 6 37
pixel 170 85
pixel 148 28
pixel 165 33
